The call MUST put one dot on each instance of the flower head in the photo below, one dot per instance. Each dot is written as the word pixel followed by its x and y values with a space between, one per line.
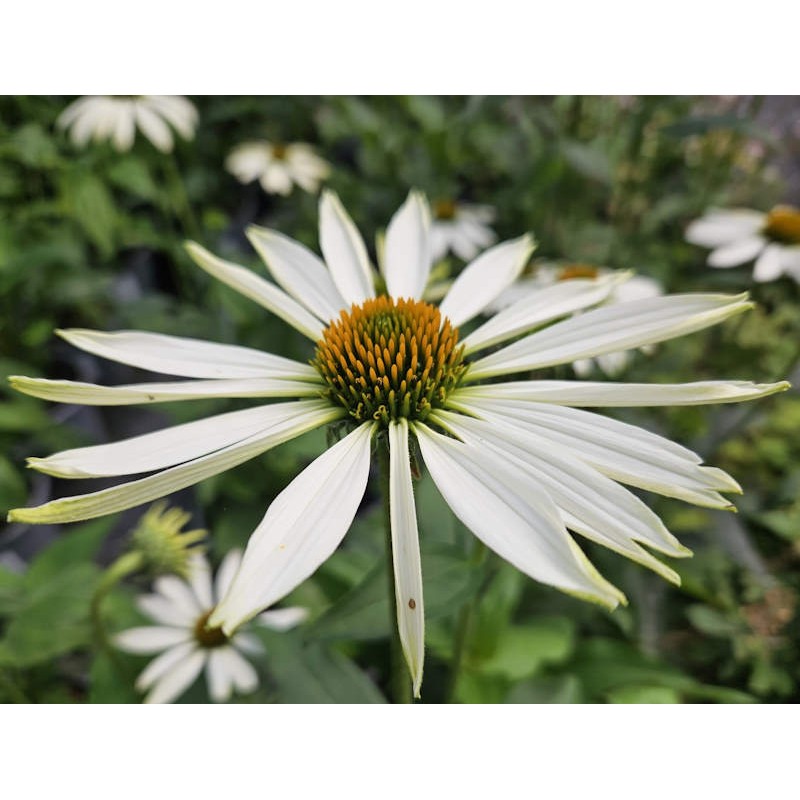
pixel 461 228
pixel 278 167
pixel 186 642
pixel 520 462
pixel 739 235
pixel 115 119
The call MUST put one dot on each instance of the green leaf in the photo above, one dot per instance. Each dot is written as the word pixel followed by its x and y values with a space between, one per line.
pixel 523 650
pixel 86 198
pixel 563 689
pixel 644 694
pixel 12 486
pixel 132 175
pixel 588 161
pixel 74 547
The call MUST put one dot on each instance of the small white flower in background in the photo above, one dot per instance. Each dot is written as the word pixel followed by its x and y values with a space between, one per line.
pixel 185 641
pixel 115 119
pixel 737 236
pixel 278 167
pixel 460 228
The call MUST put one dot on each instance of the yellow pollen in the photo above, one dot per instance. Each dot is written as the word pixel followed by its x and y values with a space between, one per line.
pixel 406 357
pixel 208 637
pixel 444 209
pixel 578 271
pixel 783 225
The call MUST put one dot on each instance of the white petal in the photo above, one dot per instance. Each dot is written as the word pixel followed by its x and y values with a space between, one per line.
pixel 276 179
pixel 154 128
pixel 124 130
pixel 301 529
pixel 176 591
pixel 721 227
pixel 283 619
pixel 165 612
pixel 91 394
pixel 239 672
pixel 170 446
pixel 405 553
pixel 189 358
pixel 605 330
pixel 246 282
pixel 200 581
pixel 344 251
pixel 145 641
pixel 161 665
pixel 485 278
pixel 594 505
pixel 769 266
pixel 220 682
pixel 247 643
pixel 225 573
pixel 407 257
pixel 178 679
pixel 298 271
pixel 540 306
pixel 177 110
pixel 623 452
pixel 249 160
pixel 624 395
pixel 511 515
pixel 134 493
pixel 738 252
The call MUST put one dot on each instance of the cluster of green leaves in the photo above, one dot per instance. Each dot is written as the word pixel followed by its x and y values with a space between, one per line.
pixel 93 238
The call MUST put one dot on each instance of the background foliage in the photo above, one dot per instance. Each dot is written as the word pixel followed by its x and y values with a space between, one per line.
pixel 93 238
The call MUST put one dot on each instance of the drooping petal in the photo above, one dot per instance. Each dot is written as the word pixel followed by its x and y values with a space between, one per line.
pixel 407 257
pixel 134 493
pixel 175 681
pixel 283 619
pixel 165 612
pixel 405 553
pixel 719 227
pixel 177 110
pixel 511 515
pixel 148 640
pixel 154 128
pixel 301 273
pixel 200 581
pixel 225 573
pixel 623 452
pixel 485 278
pixel 189 358
pixel 220 682
pixel 301 529
pixel 622 395
pixel 590 503
pixel 171 446
pixel 611 328
pixel 738 252
pixel 344 251
pixel 768 266
pixel 176 591
pixel 92 394
pixel 540 306
pixel 232 671
pixel 266 294
pixel 161 665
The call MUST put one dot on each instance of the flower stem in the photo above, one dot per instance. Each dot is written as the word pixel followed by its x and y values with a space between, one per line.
pixel 125 565
pixel 399 680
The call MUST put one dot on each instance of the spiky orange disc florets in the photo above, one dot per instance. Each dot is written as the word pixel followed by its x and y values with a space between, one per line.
pixel 389 358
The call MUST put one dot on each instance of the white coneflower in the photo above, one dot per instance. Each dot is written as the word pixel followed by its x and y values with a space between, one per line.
pixel 278 167
pixel 461 228
pixel 519 462
pixel 741 235
pixel 187 643
pixel 115 119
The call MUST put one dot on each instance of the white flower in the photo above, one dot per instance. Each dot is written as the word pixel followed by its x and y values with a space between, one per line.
pixel 187 643
pixel 115 119
pixel 278 167
pixel 519 462
pixel 461 228
pixel 741 235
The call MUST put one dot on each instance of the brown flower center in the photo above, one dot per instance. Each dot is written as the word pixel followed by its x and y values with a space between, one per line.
pixel 207 636
pixel 783 225
pixel 279 151
pixel 571 271
pixel 444 209
pixel 388 358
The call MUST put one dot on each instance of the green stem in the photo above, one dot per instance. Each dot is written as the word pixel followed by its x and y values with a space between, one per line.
pixel 125 565
pixel 399 680
pixel 463 627
pixel 180 199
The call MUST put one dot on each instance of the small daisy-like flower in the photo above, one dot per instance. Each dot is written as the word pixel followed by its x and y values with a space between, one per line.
pixel 278 167
pixel 518 461
pixel 115 119
pixel 461 228
pixel 186 642
pixel 741 235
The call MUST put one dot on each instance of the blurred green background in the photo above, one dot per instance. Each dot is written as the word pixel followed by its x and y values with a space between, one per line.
pixel 90 237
